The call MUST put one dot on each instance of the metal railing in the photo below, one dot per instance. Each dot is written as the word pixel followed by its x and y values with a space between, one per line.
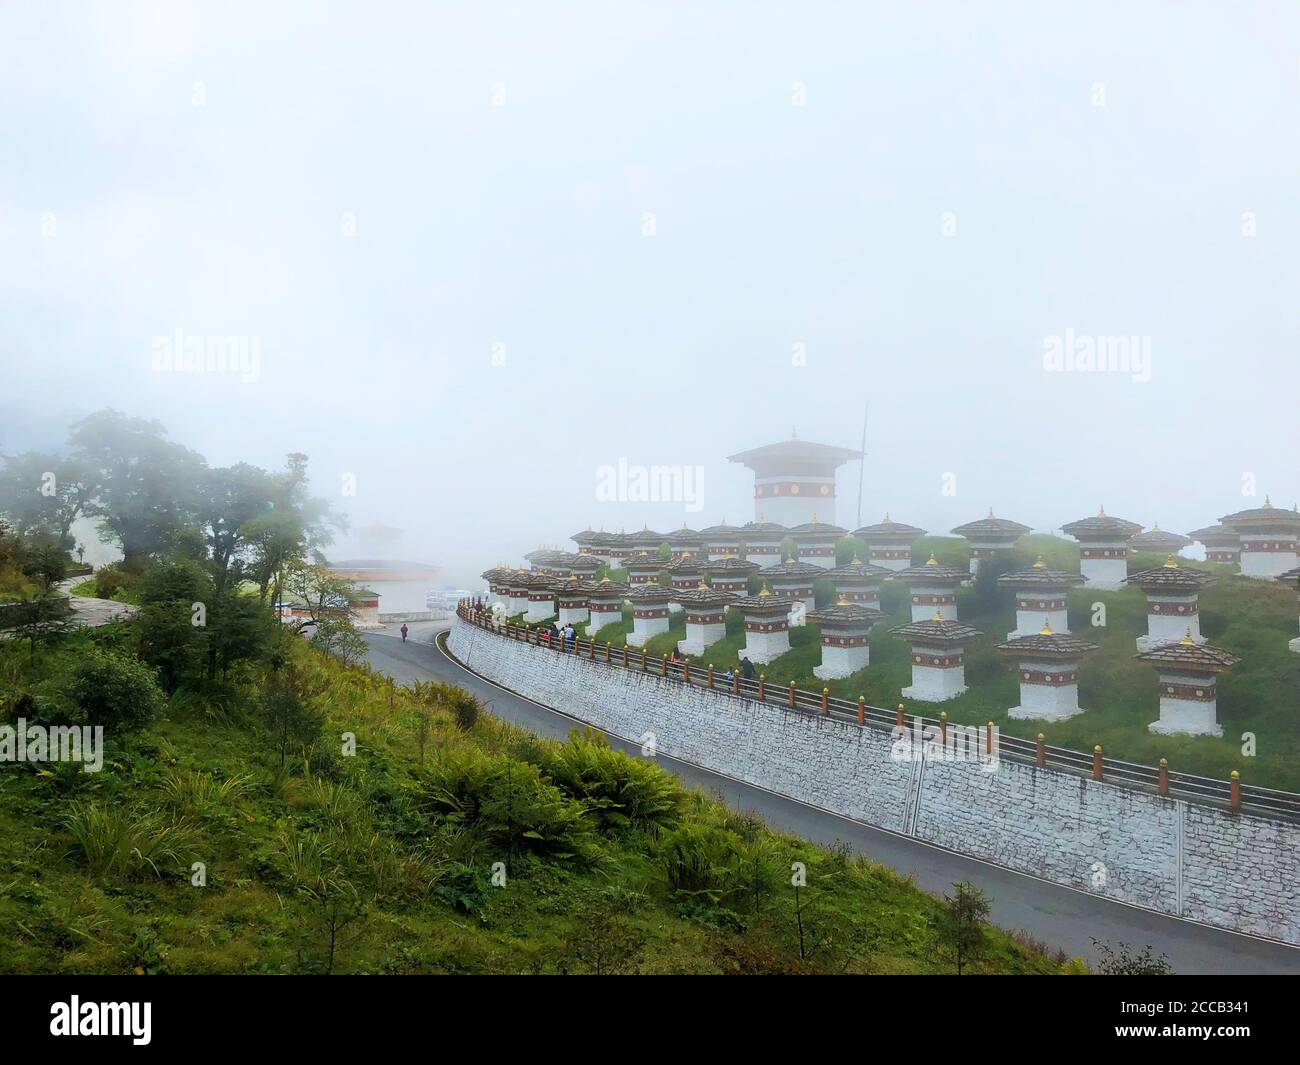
pixel 1229 794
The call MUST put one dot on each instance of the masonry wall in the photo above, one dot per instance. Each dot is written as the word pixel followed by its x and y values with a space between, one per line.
pixel 1200 862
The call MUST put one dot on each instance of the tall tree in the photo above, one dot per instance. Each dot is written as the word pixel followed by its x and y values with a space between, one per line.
pixel 42 494
pixel 144 483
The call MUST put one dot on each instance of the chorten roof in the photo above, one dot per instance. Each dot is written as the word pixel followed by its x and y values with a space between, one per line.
pixel 763 526
pixel 932 570
pixel 1158 539
pixel 1039 575
pixel 1265 515
pixel 1214 534
pixel 732 565
pixel 844 614
pixel 1170 577
pixel 794 568
pixel 888 530
pixel 1102 523
pixel 1047 644
pixel 818 528
pixel 991 526
pixel 1189 655
pixel 858 568
pixel 937 630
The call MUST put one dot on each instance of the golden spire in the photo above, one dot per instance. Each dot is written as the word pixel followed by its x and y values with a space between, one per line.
pixel 765 592
pixel 856 561
pixel 990 512
pixel 1187 640
pixel 843 600
pixel 1101 511
pixel 1155 527
pixel 886 516
pixel 938 614
pixel 814 521
pixel 1046 630
pixel 1170 563
pixel 1268 502
pixel 933 561
pixel 1040 564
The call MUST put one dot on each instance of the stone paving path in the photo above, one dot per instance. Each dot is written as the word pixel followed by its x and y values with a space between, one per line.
pixel 91 612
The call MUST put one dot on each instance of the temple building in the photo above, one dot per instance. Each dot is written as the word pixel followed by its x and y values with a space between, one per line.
pixel 538 559
pixel 585 540
pixel 516 590
pixel 496 578
pixel 934 589
pixel 1268 539
pixel 795 480
pixel 618 547
pixel 762 541
pixel 1103 548
pixel 890 543
pixel 649 612
pixel 571 599
pixel 643 568
pixel 767 625
pixel 719 541
pixel 684 541
pixel 730 574
pixel 1158 540
pixel 684 573
pixel 938 660
pixel 1048 666
pixel 815 541
pixel 1040 594
pixel 1221 543
pixel 988 536
pixel 1188 672
pixel 859 582
pixel 541 597
pixel 794 580
pixel 605 604
pixel 646 539
pixel 844 627
pixel 706 612
pixel 1291 578
pixel 1173 603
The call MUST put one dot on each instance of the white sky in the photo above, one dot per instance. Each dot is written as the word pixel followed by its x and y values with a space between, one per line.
pixel 127 212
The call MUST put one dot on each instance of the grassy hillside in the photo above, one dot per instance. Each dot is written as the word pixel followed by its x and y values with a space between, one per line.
pixel 388 855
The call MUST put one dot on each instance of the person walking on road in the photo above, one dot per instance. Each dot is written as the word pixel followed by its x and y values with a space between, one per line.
pixel 747 669
pixel 405 630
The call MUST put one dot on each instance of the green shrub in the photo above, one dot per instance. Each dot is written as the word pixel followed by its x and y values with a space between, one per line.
pixel 113 841
pixel 116 691
pixel 699 860
pixel 109 580
pixel 619 791
pixel 509 801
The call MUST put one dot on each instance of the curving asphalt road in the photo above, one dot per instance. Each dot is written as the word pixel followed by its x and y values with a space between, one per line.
pixel 1058 916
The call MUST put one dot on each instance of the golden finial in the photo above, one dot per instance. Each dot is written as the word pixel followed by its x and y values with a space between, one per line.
pixel 1046 630
pixel 886 516
pixel 1155 527
pixel 1040 564
pixel 1170 563
pixel 1101 511
pixel 814 521
pixel 933 561
pixel 856 561
pixel 938 614
pixel 843 600
pixel 765 592
pixel 1187 640
pixel 701 587
pixel 990 512
pixel 789 562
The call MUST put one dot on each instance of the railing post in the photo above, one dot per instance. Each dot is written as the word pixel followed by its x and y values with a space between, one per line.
pixel 1040 755
pixel 644 656
pixel 862 709
pixel 988 739
pixel 663 669
pixel 1234 790
pixel 735 682
pixel 791 695
pixel 625 656
pixel 826 701
pixel 606 652
pixel 591 648
pixel 761 686
pixel 686 672
pixel 1096 762
pixel 710 676
pixel 943 728
pixel 900 722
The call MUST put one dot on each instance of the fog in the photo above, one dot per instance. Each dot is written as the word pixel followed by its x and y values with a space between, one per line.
pixel 472 253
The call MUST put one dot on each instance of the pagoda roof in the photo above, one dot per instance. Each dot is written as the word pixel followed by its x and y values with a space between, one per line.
pixel 682 536
pixel 1039 574
pixel 938 630
pixel 651 592
pixel 991 526
pixel 934 571
pixel 496 573
pixel 578 585
pixel 731 564
pixel 721 530
pixel 794 568
pixel 686 563
pixel 858 568
pixel 818 528
pixel 888 529
pixel 762 526
pixel 544 553
pixel 1291 576
pixel 645 558
pixel 703 595
pixel 606 585
pixel 1171 576
pixel 1100 523
pixel 798 451
pixel 1047 644
pixel 1214 532
pixel 1158 539
pixel 644 533
pixel 842 614
pixel 1189 655
pixel 1267 514
pixel 763 601
pixel 584 537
